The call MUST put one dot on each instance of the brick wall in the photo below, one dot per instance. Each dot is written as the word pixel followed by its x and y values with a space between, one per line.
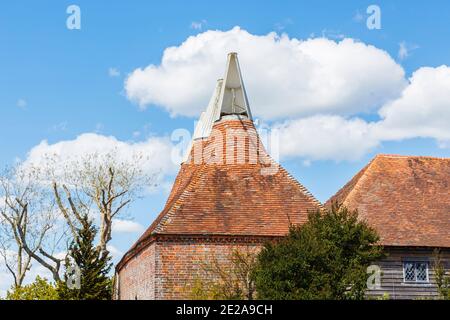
pixel 136 279
pixel 170 269
pixel 182 265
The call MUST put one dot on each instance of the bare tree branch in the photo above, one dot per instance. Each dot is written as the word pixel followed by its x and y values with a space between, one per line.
pixel 108 186
pixel 26 220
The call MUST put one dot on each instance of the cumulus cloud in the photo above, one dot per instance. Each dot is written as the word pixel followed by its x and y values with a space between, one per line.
pixel 284 76
pixel 154 153
pixel 322 86
pixel 421 111
pixel 326 137
pixel 126 226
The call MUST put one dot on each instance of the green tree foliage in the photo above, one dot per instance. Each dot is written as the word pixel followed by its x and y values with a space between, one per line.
pixel 326 258
pixel 40 289
pixel 93 263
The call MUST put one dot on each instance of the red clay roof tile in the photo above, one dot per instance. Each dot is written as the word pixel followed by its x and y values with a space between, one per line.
pixel 238 198
pixel 405 198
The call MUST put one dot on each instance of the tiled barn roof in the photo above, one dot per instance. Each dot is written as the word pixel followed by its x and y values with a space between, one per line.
pixel 406 199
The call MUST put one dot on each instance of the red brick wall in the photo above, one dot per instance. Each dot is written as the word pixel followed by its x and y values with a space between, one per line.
pixel 168 270
pixel 182 264
pixel 136 280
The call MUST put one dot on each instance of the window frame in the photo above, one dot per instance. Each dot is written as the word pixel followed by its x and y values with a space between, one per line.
pixel 415 262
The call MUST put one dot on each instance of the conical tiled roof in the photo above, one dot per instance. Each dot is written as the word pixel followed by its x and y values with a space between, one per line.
pixel 229 185
pixel 232 192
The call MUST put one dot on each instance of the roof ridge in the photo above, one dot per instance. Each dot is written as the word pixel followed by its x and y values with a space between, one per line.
pixel 386 155
pixel 362 174
pixel 362 177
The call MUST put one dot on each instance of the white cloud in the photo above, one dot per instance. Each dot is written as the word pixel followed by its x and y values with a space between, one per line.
pixel 126 226
pixel 115 253
pixel 422 111
pixel 326 137
pixel 298 77
pixel 155 152
pixel 322 86
pixel 113 72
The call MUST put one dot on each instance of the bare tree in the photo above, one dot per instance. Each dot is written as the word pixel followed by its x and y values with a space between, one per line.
pixel 43 204
pixel 15 259
pixel 99 184
pixel 26 218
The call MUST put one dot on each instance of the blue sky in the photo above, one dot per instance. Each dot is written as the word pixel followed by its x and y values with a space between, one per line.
pixel 57 83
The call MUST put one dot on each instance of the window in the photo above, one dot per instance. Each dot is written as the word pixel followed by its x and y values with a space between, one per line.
pixel 415 271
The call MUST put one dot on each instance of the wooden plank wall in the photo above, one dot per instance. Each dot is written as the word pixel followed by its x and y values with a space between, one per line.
pixel 392 284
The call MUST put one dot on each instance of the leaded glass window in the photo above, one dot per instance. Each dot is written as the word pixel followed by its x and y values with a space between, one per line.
pixel 414 271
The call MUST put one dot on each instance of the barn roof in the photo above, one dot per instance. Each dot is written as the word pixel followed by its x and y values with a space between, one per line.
pixel 405 198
